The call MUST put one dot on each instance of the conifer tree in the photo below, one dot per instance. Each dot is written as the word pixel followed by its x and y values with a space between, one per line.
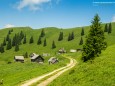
pixel 42 33
pixel 7 37
pixel 24 41
pixel 9 32
pixel 39 40
pixel 17 47
pixel 4 42
pixel 31 40
pixel 72 35
pixel 69 37
pixel 82 32
pixel 26 55
pixel 110 28
pixel 21 35
pixel 81 41
pixel 14 40
pixel 45 44
pixel 60 36
pixel 9 45
pixel 53 45
pixel 95 41
pixel 106 28
pixel 2 48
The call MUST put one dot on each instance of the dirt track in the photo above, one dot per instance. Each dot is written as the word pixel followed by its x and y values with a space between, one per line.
pixel 52 75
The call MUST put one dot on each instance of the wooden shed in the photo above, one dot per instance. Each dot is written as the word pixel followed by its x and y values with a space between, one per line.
pixel 19 58
pixel 53 60
pixel 37 58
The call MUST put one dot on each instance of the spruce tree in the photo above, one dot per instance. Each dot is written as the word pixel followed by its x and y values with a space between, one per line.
pixel 9 45
pixel 82 32
pixel 14 41
pixel 26 55
pixel 45 44
pixel 9 32
pixel 95 41
pixel 17 47
pixel 53 45
pixel 69 37
pixel 7 37
pixel 39 40
pixel 24 41
pixel 4 42
pixel 72 35
pixel 106 28
pixel 110 28
pixel 2 48
pixel 31 40
pixel 42 33
pixel 60 36
pixel 21 35
pixel 81 41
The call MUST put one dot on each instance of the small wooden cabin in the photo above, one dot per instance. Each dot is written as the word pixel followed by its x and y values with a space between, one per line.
pixel 73 50
pixel 19 58
pixel 53 60
pixel 37 58
pixel 62 50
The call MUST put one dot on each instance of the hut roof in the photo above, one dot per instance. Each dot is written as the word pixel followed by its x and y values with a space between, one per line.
pixel 19 57
pixel 35 56
pixel 52 58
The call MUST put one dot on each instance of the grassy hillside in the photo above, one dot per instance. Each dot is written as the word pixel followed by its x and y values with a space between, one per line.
pixel 51 34
pixel 28 69
pixel 99 73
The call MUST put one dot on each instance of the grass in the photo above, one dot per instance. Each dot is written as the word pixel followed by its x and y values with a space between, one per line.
pixel 99 73
pixel 15 73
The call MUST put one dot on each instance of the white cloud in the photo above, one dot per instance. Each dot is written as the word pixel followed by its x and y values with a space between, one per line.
pixel 32 4
pixel 113 19
pixel 8 26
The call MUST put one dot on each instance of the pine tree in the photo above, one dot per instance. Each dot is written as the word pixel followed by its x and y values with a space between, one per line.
pixel 106 28
pixel 95 41
pixel 9 45
pixel 9 32
pixel 81 41
pixel 72 35
pixel 7 37
pixel 21 35
pixel 53 45
pixel 39 40
pixel 82 32
pixel 110 28
pixel 2 48
pixel 4 42
pixel 26 55
pixel 45 44
pixel 60 36
pixel 14 40
pixel 42 33
pixel 17 47
pixel 24 41
pixel 31 40
pixel 69 37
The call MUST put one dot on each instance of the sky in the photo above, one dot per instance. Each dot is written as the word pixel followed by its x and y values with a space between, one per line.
pixel 54 13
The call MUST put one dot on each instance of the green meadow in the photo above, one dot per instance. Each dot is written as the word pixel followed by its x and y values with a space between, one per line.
pixel 98 73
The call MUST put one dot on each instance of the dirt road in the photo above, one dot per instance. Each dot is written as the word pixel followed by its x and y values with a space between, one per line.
pixel 52 75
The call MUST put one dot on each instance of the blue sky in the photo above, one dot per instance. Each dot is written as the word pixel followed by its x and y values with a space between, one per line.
pixel 54 13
